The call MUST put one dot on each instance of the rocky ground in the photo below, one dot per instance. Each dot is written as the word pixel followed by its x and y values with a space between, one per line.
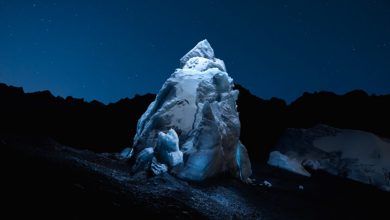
pixel 42 178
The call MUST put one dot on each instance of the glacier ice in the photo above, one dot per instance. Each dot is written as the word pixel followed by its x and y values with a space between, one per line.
pixel 193 124
pixel 243 161
pixel 311 164
pixel 143 159
pixel 280 160
pixel 202 49
pixel 126 153
pixel 353 154
pixel 167 148
pixel 267 184
pixel 158 168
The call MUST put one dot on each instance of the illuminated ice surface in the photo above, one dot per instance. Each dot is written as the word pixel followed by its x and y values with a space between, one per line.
pixel 193 125
pixel 353 154
pixel 280 160
pixel 167 149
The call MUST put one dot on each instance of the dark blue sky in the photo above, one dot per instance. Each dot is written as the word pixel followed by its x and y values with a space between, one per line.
pixel 107 50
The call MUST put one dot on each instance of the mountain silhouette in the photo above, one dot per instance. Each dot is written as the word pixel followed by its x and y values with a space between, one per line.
pixel 71 121
pixel 110 128
pixel 264 121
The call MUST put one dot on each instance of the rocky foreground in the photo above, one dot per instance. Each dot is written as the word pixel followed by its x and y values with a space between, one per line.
pixel 44 179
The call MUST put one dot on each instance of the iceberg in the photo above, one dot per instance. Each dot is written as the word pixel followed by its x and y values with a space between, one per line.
pixel 193 125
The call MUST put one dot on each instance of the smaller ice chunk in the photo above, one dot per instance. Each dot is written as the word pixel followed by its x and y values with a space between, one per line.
pixel 312 164
pixel 158 168
pixel 221 64
pixel 300 187
pixel 243 163
pixel 143 159
pixel 167 148
pixel 169 141
pixel 267 184
pixel 175 158
pixel 282 161
pixel 126 153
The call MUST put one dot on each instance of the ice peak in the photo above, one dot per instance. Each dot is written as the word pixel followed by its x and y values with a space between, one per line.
pixel 201 58
pixel 196 105
pixel 202 49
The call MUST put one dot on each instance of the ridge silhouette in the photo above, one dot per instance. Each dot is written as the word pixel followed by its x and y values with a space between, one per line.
pixel 109 128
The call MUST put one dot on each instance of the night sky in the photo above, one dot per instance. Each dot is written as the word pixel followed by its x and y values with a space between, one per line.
pixel 107 50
